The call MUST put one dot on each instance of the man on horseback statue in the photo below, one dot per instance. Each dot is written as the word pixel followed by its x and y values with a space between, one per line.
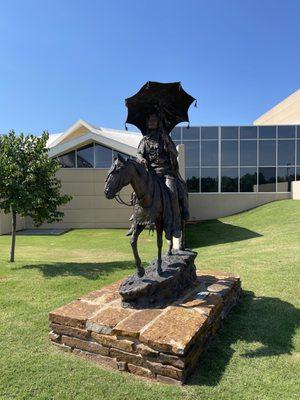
pixel 160 195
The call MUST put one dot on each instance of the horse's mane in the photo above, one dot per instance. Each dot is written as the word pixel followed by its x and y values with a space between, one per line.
pixel 139 166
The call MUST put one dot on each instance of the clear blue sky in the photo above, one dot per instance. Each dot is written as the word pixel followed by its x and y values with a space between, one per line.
pixel 62 60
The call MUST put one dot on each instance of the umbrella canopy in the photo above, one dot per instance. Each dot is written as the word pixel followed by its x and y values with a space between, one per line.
pixel 168 100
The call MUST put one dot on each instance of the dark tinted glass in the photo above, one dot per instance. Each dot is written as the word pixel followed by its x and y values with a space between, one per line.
pixel 103 157
pixel 192 156
pixel 298 174
pixel 285 175
pixel 267 132
pixel 209 180
pixel 229 153
pixel 248 180
pixel 209 153
pixel 229 180
pixel 115 154
pixel 248 152
pixel 286 152
pixel 176 134
pixel 248 132
pixel 67 160
pixel 191 133
pixel 267 179
pixel 85 157
pixel 209 132
pixel 229 132
pixel 298 131
pixel 298 152
pixel 192 179
pixel 286 131
pixel 267 152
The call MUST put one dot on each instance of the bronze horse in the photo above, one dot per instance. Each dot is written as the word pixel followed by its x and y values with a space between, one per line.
pixel 152 207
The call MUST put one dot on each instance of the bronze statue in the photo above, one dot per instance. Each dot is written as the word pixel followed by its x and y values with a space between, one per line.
pixel 160 194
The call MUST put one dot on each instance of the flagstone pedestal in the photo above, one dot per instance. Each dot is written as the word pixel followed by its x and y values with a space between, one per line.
pixel 159 343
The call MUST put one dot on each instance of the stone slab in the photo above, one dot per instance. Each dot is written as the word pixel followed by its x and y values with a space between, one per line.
pixel 174 330
pixel 74 314
pixel 159 343
pixel 134 323
pixel 106 319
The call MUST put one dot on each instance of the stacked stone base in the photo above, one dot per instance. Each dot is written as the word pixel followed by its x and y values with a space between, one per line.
pixel 159 343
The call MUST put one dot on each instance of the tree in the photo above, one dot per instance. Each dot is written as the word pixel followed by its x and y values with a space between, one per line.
pixel 28 185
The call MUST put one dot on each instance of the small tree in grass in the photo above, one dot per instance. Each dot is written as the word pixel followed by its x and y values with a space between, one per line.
pixel 28 185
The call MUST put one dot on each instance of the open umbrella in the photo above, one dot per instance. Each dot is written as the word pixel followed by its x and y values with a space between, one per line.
pixel 168 100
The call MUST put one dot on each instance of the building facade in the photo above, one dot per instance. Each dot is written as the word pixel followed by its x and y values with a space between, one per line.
pixel 228 169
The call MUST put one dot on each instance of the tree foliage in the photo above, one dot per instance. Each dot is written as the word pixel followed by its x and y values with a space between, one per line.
pixel 28 184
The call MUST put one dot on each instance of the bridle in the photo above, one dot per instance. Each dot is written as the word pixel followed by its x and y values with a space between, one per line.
pixel 121 201
pixel 117 196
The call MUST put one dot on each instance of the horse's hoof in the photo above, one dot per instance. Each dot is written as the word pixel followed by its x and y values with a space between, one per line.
pixel 169 253
pixel 141 272
pixel 159 271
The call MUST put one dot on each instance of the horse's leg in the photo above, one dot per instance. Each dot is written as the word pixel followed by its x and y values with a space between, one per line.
pixel 170 247
pixel 159 234
pixel 182 238
pixel 133 241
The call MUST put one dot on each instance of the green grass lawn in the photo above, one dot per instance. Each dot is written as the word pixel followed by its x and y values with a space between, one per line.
pixel 255 356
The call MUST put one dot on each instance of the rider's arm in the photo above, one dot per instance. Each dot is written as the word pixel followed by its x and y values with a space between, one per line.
pixel 141 152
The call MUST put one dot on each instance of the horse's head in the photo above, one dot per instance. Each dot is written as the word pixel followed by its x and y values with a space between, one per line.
pixel 117 177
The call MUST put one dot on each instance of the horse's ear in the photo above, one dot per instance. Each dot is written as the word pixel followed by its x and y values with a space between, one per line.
pixel 121 158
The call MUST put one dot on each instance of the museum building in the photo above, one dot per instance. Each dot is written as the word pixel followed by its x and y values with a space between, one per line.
pixel 228 169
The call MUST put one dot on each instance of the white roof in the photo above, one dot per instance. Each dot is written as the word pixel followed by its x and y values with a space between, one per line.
pixel 287 112
pixel 123 141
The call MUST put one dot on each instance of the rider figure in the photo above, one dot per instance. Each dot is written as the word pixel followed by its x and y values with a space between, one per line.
pixel 158 153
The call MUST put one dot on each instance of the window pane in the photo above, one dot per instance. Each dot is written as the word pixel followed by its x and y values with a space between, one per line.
pixel 286 152
pixel 298 152
pixel 285 175
pixel 267 152
pixel 192 154
pixel 267 179
pixel 267 132
pixel 209 180
pixel 85 157
pixel 286 132
pixel 229 132
pixel 192 179
pixel 248 180
pixel 248 152
pixel 248 132
pixel 103 156
pixel 209 132
pixel 298 174
pixel 229 180
pixel 298 131
pixel 176 134
pixel 209 153
pixel 191 133
pixel 67 160
pixel 229 153
pixel 115 154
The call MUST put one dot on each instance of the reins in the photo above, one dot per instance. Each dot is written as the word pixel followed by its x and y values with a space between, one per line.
pixel 121 201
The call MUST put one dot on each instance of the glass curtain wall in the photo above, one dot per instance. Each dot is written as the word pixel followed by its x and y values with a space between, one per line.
pixel 230 159
pixel 92 155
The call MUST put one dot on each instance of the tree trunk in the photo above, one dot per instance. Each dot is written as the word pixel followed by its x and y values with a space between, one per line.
pixel 13 236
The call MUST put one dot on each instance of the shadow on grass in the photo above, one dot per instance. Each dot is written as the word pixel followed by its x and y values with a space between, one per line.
pixel 210 233
pixel 267 322
pixel 87 270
